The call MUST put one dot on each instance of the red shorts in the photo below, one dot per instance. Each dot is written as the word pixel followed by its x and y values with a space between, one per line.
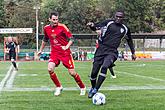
pixel 67 60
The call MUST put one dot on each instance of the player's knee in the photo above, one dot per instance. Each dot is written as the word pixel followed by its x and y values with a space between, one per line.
pixel 50 70
pixel 104 69
pixel 72 72
pixel 93 77
pixel 94 72
pixel 108 64
pixel 12 60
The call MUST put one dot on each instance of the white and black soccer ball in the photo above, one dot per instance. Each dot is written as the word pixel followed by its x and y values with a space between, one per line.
pixel 98 99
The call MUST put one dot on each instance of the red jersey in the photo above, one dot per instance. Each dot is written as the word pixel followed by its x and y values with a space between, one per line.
pixel 58 37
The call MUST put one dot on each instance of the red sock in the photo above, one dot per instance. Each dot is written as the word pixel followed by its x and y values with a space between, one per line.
pixel 55 79
pixel 78 80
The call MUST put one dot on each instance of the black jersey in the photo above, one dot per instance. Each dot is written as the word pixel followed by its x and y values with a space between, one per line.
pixel 11 46
pixel 111 35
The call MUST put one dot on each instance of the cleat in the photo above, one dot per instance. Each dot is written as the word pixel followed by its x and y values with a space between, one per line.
pixel 58 91
pixel 92 92
pixel 82 91
pixel 113 76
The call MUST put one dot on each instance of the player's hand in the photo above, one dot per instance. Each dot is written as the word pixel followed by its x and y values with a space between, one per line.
pixel 6 51
pixel 39 53
pixel 18 51
pixel 133 57
pixel 64 47
pixel 91 24
pixel 98 32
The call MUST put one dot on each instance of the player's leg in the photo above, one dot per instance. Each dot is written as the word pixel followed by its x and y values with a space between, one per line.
pixel 53 76
pixel 68 62
pixel 100 79
pixel 95 70
pixel 78 80
pixel 108 61
pixel 13 60
pixel 113 75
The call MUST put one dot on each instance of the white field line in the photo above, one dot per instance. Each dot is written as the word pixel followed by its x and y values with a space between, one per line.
pixel 27 75
pixel 102 88
pixel 145 77
pixel 135 65
pixel 2 83
pixel 9 83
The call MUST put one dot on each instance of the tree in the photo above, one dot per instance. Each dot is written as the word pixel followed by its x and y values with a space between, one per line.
pixel 138 13
pixel 107 6
pixel 158 19
pixel 9 11
pixel 2 13
pixel 74 13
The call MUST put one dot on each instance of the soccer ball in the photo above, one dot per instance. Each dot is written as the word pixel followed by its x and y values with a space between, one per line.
pixel 98 99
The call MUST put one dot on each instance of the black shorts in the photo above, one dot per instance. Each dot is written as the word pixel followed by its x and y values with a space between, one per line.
pixel 106 60
pixel 12 55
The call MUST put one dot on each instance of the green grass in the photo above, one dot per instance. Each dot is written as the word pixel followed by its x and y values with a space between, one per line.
pixel 129 74
pixel 4 67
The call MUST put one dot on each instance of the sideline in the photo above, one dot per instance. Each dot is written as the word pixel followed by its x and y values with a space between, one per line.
pixel 145 77
pixel 9 82
pixel 2 83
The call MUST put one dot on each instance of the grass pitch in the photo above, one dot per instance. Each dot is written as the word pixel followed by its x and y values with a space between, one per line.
pixel 140 85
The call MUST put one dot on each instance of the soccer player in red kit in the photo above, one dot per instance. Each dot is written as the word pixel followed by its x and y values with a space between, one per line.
pixel 60 41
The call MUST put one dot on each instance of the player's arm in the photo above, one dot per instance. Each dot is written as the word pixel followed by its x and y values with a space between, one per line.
pixel 43 43
pixel 70 37
pixel 17 47
pixel 7 48
pixel 131 45
pixel 71 40
pixel 42 47
pixel 98 32
pixel 97 26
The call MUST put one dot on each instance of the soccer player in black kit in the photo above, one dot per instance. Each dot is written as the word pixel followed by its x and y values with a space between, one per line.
pixel 99 31
pixel 11 47
pixel 113 31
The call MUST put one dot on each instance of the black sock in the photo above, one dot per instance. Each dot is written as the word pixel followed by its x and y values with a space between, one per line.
pixel 93 82
pixel 100 80
pixel 94 73
pixel 112 72
pixel 101 77
pixel 14 64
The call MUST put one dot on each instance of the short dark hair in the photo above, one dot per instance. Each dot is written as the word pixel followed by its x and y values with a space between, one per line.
pixel 121 10
pixel 53 13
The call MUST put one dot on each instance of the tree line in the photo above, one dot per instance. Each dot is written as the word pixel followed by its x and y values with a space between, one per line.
pixel 141 15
